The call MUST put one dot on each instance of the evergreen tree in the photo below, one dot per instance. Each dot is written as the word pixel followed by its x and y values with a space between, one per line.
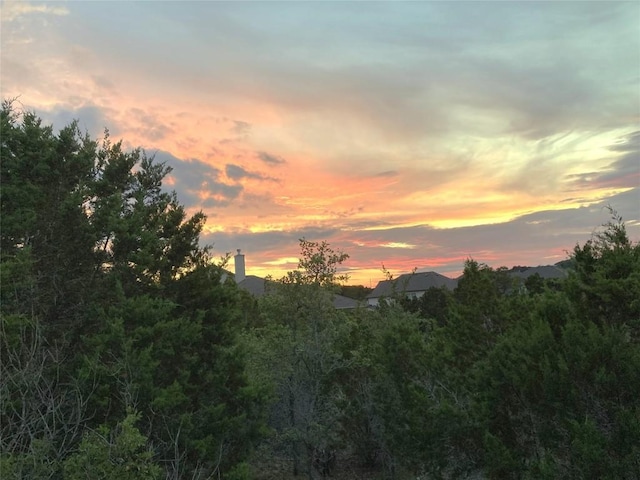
pixel 130 312
pixel 559 390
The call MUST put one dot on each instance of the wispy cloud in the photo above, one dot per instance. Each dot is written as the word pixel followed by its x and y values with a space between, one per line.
pixel 236 172
pixel 198 183
pixel 241 128
pixel 13 9
pixel 271 159
pixel 398 245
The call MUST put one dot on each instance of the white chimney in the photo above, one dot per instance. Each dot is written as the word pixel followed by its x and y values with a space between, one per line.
pixel 239 263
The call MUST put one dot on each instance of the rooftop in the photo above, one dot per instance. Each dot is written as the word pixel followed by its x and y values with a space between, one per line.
pixel 412 282
pixel 256 286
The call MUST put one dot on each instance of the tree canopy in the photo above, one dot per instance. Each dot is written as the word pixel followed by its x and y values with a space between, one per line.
pixel 109 303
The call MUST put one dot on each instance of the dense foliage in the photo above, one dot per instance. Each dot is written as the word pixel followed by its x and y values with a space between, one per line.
pixel 125 355
pixel 501 378
pixel 110 306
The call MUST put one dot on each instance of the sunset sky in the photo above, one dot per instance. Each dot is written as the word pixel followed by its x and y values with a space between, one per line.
pixel 409 134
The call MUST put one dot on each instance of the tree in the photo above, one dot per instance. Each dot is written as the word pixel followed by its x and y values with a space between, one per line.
pixel 558 392
pixel 43 415
pixel 319 264
pixel 293 355
pixel 46 266
pixel 357 292
pixel 605 280
pixel 122 453
pixel 435 304
pixel 45 184
pixel 103 263
pixel 165 322
pixel 382 382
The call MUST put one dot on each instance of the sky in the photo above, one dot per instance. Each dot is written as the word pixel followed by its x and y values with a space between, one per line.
pixel 410 135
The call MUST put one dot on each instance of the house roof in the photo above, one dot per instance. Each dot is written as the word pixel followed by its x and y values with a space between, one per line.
pixel 256 286
pixel 412 282
pixel 421 282
pixel 341 302
pixel 545 272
